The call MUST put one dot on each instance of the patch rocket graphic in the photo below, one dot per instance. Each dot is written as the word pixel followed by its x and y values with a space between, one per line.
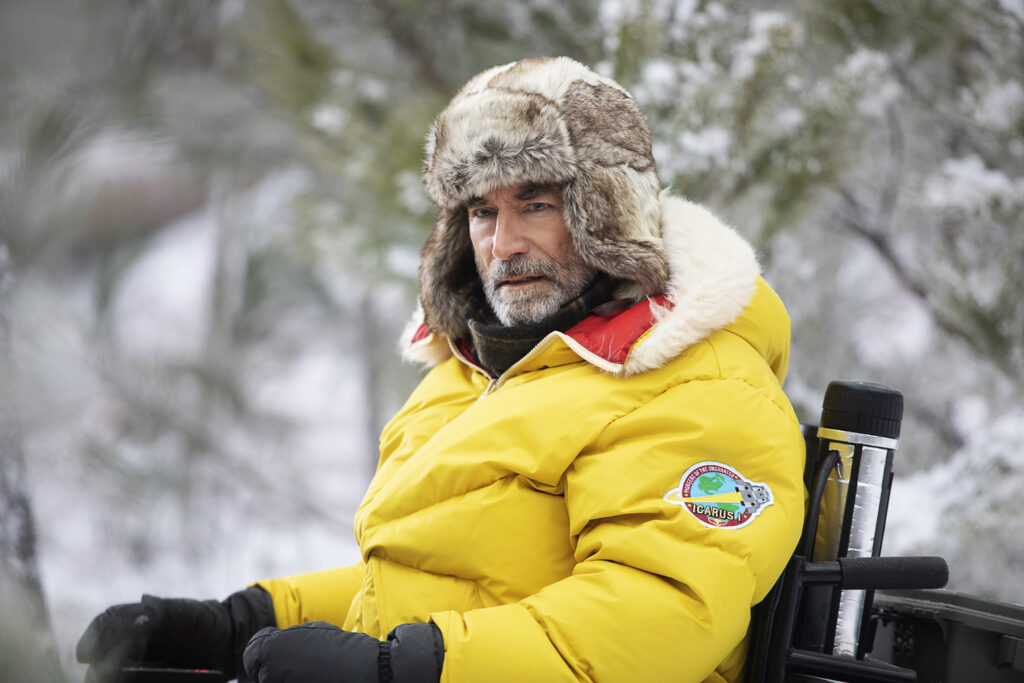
pixel 720 497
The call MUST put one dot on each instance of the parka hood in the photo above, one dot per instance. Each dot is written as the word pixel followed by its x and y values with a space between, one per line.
pixel 549 120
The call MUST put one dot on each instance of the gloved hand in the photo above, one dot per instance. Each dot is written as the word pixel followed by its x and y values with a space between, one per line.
pixel 317 652
pixel 174 633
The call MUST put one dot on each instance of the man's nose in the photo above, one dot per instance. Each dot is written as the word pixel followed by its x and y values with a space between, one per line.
pixel 509 236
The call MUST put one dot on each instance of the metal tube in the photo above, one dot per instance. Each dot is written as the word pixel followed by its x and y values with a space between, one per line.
pixel 871 471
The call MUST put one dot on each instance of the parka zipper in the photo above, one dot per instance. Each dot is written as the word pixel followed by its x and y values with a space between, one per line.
pixel 491 386
pixel 495 383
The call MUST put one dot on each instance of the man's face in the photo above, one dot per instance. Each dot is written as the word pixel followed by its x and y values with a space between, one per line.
pixel 524 254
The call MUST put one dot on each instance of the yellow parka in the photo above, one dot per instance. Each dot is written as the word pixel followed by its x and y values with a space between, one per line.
pixel 609 509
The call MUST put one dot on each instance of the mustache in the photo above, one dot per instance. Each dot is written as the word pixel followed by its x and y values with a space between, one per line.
pixel 515 267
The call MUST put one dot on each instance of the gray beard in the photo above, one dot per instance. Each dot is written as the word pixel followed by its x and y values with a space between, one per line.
pixel 512 307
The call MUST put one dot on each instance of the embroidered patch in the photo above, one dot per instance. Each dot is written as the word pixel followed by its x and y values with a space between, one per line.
pixel 719 497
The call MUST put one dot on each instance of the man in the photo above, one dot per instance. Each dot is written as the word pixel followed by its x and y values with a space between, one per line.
pixel 599 476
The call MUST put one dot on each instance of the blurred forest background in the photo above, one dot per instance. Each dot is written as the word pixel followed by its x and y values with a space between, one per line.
pixel 210 223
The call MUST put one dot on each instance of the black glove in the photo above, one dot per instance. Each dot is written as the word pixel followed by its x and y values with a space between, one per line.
pixel 174 633
pixel 318 652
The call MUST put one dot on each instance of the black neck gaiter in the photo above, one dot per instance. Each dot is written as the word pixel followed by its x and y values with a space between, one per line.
pixel 497 347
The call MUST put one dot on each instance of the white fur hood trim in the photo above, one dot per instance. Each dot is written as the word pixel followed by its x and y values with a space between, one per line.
pixel 712 277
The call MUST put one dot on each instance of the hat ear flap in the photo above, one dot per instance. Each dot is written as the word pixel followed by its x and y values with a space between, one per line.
pixel 448 274
pixel 614 229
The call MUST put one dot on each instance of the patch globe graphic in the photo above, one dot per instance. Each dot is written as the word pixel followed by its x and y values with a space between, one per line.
pixel 710 484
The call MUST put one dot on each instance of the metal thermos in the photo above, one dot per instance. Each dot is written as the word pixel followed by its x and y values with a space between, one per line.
pixel 860 422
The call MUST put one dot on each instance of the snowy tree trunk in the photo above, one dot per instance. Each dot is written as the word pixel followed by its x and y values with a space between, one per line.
pixel 26 641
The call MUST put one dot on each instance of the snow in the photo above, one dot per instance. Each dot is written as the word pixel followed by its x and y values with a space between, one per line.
pixel 374 89
pixel 907 530
pixel 120 154
pixel 161 305
pixel 694 76
pixel 614 13
pixel 166 288
pixel 959 509
pixel 1015 8
pixel 965 184
pixel 1001 107
pixel 901 332
pixel 329 118
pixel 788 121
pixel 706 148
pixel 870 66
pixel 122 539
pixel 971 414
pixel 749 52
pixel 604 68
pixel 685 20
pixel 659 74
pixel 658 83
pixel 890 327
pixel 404 261
pixel 410 193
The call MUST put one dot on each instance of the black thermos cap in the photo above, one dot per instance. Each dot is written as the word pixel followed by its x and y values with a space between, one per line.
pixel 862 408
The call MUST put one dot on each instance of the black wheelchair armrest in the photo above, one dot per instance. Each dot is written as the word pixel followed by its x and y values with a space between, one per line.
pixel 879 573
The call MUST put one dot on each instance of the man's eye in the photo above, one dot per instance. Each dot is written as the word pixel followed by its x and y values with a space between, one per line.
pixel 482 212
pixel 539 206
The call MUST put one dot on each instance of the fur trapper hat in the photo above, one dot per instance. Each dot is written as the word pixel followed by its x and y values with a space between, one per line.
pixel 549 120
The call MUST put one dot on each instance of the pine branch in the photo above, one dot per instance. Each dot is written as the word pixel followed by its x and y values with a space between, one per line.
pixel 853 216
pixel 959 127
pixel 409 43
